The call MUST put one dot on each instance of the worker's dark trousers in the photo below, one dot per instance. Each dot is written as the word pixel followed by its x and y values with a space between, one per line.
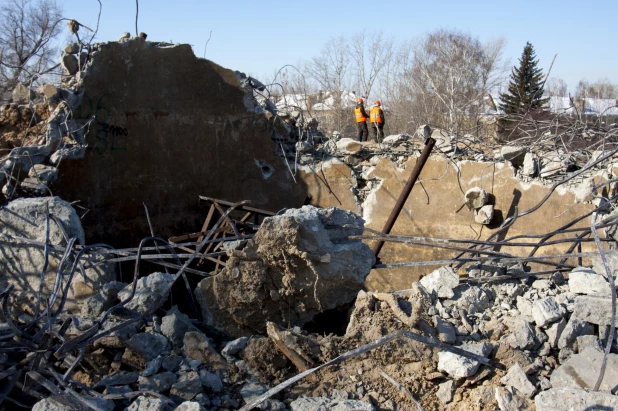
pixel 378 133
pixel 363 133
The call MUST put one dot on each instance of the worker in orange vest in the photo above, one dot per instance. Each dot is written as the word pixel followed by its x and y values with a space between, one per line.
pixel 361 120
pixel 376 117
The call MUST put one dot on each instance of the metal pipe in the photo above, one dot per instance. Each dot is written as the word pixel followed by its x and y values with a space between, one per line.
pixel 429 143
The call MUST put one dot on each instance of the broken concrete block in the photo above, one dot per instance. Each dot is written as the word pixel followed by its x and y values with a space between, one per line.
pixel 586 281
pixel 440 282
pixel 120 378
pixel 582 371
pixel 152 367
pixel 555 399
pixel 252 390
pixel 44 173
pixel 529 167
pixel 197 347
pixel 446 331
pixel 475 198
pixel 514 154
pixel 349 146
pixel 522 335
pixel 69 63
pixel 103 300
pixel 148 345
pixel 329 270
pixel 158 382
pixel 190 406
pixel 583 191
pixel 319 403
pixel 187 387
pixel 72 48
pixel 445 391
pixel 474 299
pixel 484 215
pixel 21 263
pixel 574 328
pixel 175 325
pixel 546 311
pixel 460 367
pixel 516 378
pixel 595 310
pixel 147 404
pixel 396 140
pixel 554 332
pixel 22 94
pixel 585 341
pixel 150 294
pixel 508 400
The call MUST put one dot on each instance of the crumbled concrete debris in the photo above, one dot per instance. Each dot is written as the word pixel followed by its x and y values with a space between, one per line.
pixel 121 378
pixel 148 345
pixel 508 400
pixel 446 331
pixel 316 403
pixel 475 198
pixel 582 371
pixel 187 387
pixel 522 335
pixel 234 347
pixel 175 325
pixel 595 310
pixel 516 378
pixel 554 332
pixel 441 282
pixel 574 328
pixel 211 381
pixel 197 347
pixel 529 167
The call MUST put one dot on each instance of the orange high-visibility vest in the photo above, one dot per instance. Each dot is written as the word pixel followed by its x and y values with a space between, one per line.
pixel 359 116
pixel 374 115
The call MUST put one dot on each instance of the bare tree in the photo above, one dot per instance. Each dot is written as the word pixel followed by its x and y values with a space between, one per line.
pixel 371 53
pixel 556 87
pixel 332 71
pixel 27 31
pixel 450 76
pixel 601 89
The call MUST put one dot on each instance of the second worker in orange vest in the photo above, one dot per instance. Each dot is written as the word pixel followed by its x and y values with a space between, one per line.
pixel 376 117
pixel 361 121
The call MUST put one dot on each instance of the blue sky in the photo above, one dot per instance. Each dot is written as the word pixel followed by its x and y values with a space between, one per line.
pixel 259 37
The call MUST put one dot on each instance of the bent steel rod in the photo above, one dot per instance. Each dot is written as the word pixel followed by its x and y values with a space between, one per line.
pixel 429 143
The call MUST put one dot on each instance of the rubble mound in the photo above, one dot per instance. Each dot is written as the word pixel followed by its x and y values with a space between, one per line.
pixel 300 263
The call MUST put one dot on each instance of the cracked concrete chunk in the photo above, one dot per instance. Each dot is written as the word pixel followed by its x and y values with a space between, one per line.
pixel 582 371
pixel 484 215
pixel 445 391
pixel 546 311
pixel 516 378
pixel 151 292
pixel 577 399
pixel 320 403
pixel 584 280
pixel 595 310
pixel 475 198
pixel 440 282
pixel 147 404
pixel 458 366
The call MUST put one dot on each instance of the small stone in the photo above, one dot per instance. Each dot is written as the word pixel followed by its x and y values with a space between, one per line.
pixel 190 406
pixel 323 403
pixel 441 282
pixel 211 381
pixel 119 378
pixel 585 341
pixel 517 378
pixel 509 401
pixel 484 215
pixel 446 391
pixel 22 94
pixel 446 331
pixel 72 48
pixel 172 362
pixel 174 326
pixel 69 62
pixel 147 404
pixel 543 284
pixel 529 168
pixel 252 390
pixel 458 366
pixel 197 347
pixel 234 347
pixel 148 345
pixel 152 367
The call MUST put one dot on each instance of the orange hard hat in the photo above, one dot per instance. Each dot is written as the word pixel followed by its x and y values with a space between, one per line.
pixel 360 100
pixel 377 103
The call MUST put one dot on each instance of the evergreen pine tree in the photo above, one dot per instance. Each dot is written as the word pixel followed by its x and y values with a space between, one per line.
pixel 525 90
